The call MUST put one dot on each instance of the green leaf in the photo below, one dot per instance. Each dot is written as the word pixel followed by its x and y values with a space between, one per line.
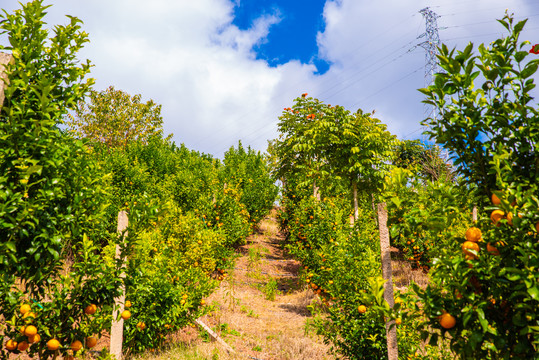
pixel 534 292
pixel 529 70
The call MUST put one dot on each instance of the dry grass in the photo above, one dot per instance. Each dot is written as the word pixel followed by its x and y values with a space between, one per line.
pixel 242 316
pixel 255 327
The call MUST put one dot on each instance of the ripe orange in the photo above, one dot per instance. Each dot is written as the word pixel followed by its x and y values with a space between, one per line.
pixel 30 330
pixel 126 314
pixel 29 314
pixel 24 308
pixel 398 321
pixel 91 341
pixel 473 234
pixel 53 344
pixel 34 339
pixel 11 345
pixel 470 245
pixel 90 309
pixel 495 199
pixel 21 330
pixel 202 302
pixel 496 216
pixel 537 226
pixel 362 309
pixel 447 321
pixel 76 345
pixel 23 345
pixel 492 250
pixel 127 304
pixel 141 326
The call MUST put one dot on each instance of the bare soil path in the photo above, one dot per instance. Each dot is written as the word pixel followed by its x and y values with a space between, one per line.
pixel 260 309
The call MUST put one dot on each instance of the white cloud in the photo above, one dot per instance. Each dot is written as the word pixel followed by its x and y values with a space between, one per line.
pixel 189 57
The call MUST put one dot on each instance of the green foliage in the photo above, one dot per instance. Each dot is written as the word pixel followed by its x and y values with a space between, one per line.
pixel 115 118
pixel 493 133
pixel 52 193
pixel 426 218
pixel 249 172
pixel 45 176
pixel 168 274
pixel 424 161
pixel 270 290
pixel 326 143
pixel 494 117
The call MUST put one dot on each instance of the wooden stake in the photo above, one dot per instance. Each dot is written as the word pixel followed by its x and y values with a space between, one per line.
pixel 392 349
pixel 214 336
pixel 117 329
pixel 4 60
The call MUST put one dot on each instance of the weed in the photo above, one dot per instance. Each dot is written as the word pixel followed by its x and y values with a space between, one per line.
pixel 270 290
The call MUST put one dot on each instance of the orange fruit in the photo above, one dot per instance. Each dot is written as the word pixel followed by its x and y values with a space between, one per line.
pixel 202 302
pixel 29 314
pixel 76 345
pixel 11 345
pixel 127 304
pixel 447 321
pixel 34 339
pixel 398 321
pixel 492 250
pixel 496 216
pixel 495 199
pixel 126 314
pixel 90 309
pixel 23 345
pixel 21 330
pixel 53 344
pixel 362 309
pixel 537 226
pixel 91 341
pixel 470 245
pixel 24 308
pixel 510 218
pixel 30 330
pixel 473 234
pixel 141 326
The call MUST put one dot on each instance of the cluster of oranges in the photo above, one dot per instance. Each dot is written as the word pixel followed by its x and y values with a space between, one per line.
pixel 30 331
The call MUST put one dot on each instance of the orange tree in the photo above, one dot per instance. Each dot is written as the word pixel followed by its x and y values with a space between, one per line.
pixel 425 215
pixel 345 156
pixel 485 298
pixel 341 265
pixel 168 275
pixel 53 195
pixel 249 171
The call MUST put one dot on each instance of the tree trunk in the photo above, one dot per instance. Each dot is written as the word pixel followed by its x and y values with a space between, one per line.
pixel 316 191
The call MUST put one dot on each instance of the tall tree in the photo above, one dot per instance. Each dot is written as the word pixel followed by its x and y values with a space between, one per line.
pixel 114 117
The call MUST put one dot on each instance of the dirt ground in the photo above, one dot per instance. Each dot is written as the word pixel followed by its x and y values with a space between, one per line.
pixel 260 310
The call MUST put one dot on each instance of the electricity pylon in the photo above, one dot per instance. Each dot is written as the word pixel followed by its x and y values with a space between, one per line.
pixel 431 43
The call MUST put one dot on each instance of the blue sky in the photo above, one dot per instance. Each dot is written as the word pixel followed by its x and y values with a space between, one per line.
pixel 223 70
pixel 293 37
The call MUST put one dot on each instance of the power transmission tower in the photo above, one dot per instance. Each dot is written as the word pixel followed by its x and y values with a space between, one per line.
pixel 431 44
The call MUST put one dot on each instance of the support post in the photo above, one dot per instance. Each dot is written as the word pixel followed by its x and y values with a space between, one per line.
pixel 4 60
pixel 391 331
pixel 117 329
